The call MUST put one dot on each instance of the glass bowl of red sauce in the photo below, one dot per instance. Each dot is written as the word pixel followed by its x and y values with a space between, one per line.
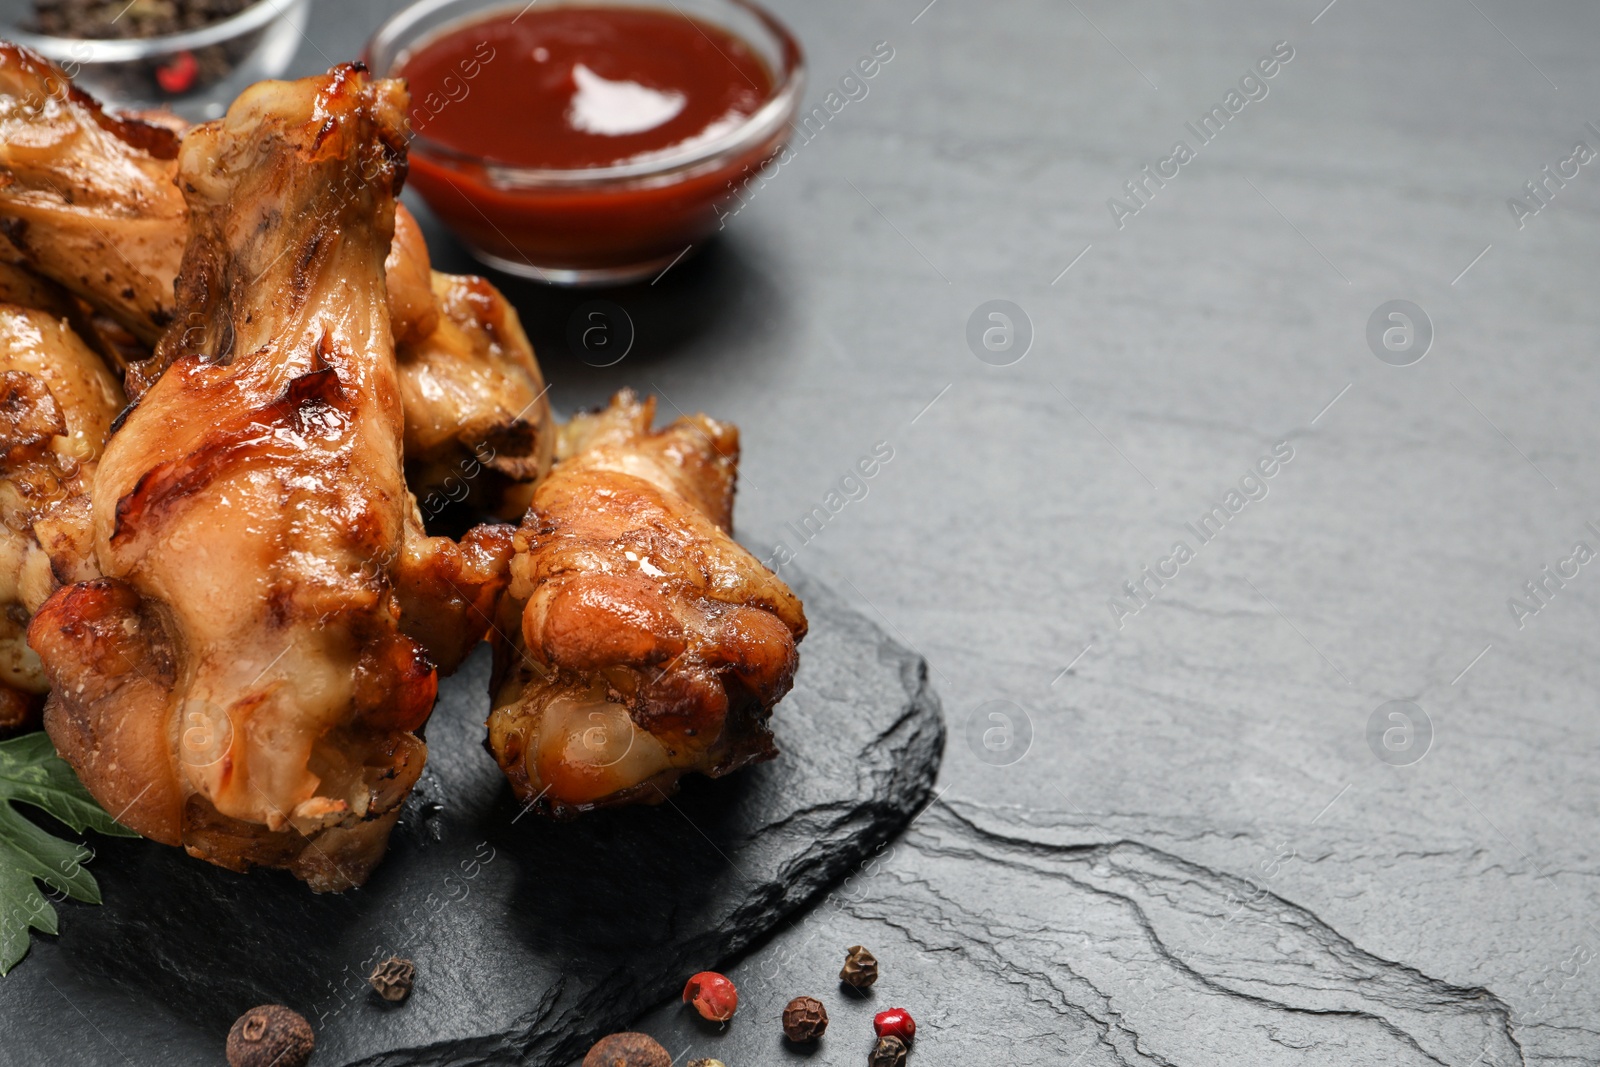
pixel 589 142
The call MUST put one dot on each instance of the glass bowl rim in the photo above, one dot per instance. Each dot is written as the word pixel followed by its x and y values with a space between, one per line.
pixel 758 128
pixel 127 49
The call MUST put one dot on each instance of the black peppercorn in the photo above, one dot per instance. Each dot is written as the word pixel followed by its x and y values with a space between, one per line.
pixel 270 1036
pixel 888 1052
pixel 860 968
pixel 393 978
pixel 804 1019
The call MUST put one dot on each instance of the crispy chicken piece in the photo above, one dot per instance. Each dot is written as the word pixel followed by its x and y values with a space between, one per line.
pixel 478 420
pixel 87 198
pixel 57 400
pixel 638 641
pixel 91 201
pixel 240 681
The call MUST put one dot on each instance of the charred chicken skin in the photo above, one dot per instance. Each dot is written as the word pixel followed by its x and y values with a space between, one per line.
pixel 638 641
pixel 57 400
pixel 240 680
pixel 91 201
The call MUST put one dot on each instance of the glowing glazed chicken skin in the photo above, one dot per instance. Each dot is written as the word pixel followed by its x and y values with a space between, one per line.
pixel 638 641
pixel 240 681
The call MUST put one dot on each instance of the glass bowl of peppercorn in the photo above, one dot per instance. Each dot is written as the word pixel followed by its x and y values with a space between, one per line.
pixel 192 56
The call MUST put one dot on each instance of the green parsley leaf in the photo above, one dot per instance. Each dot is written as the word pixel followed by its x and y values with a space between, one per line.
pixel 32 773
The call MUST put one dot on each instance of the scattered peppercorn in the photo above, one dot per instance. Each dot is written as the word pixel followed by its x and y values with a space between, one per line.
pixel 804 1019
pixel 178 75
pixel 627 1050
pixel 860 968
pixel 270 1036
pixel 712 995
pixel 896 1022
pixel 393 978
pixel 888 1052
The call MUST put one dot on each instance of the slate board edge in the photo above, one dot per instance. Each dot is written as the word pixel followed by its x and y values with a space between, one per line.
pixel 534 1037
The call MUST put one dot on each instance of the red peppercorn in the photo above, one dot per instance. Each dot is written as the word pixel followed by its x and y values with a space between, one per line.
pixel 896 1022
pixel 712 995
pixel 178 76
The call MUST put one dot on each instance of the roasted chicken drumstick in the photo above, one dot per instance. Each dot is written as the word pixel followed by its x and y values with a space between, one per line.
pixel 90 201
pixel 240 680
pixel 638 641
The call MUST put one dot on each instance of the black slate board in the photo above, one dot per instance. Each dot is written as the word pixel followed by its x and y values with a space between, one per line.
pixel 530 937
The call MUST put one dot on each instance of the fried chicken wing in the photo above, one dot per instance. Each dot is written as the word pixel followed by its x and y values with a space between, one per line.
pixel 240 681
pixel 91 201
pixel 87 198
pixel 638 641
pixel 57 400
pixel 478 420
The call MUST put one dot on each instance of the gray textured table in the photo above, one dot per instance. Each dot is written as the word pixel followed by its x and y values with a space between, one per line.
pixel 1196 835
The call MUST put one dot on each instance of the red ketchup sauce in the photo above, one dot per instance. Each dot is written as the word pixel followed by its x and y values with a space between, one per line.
pixel 571 89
